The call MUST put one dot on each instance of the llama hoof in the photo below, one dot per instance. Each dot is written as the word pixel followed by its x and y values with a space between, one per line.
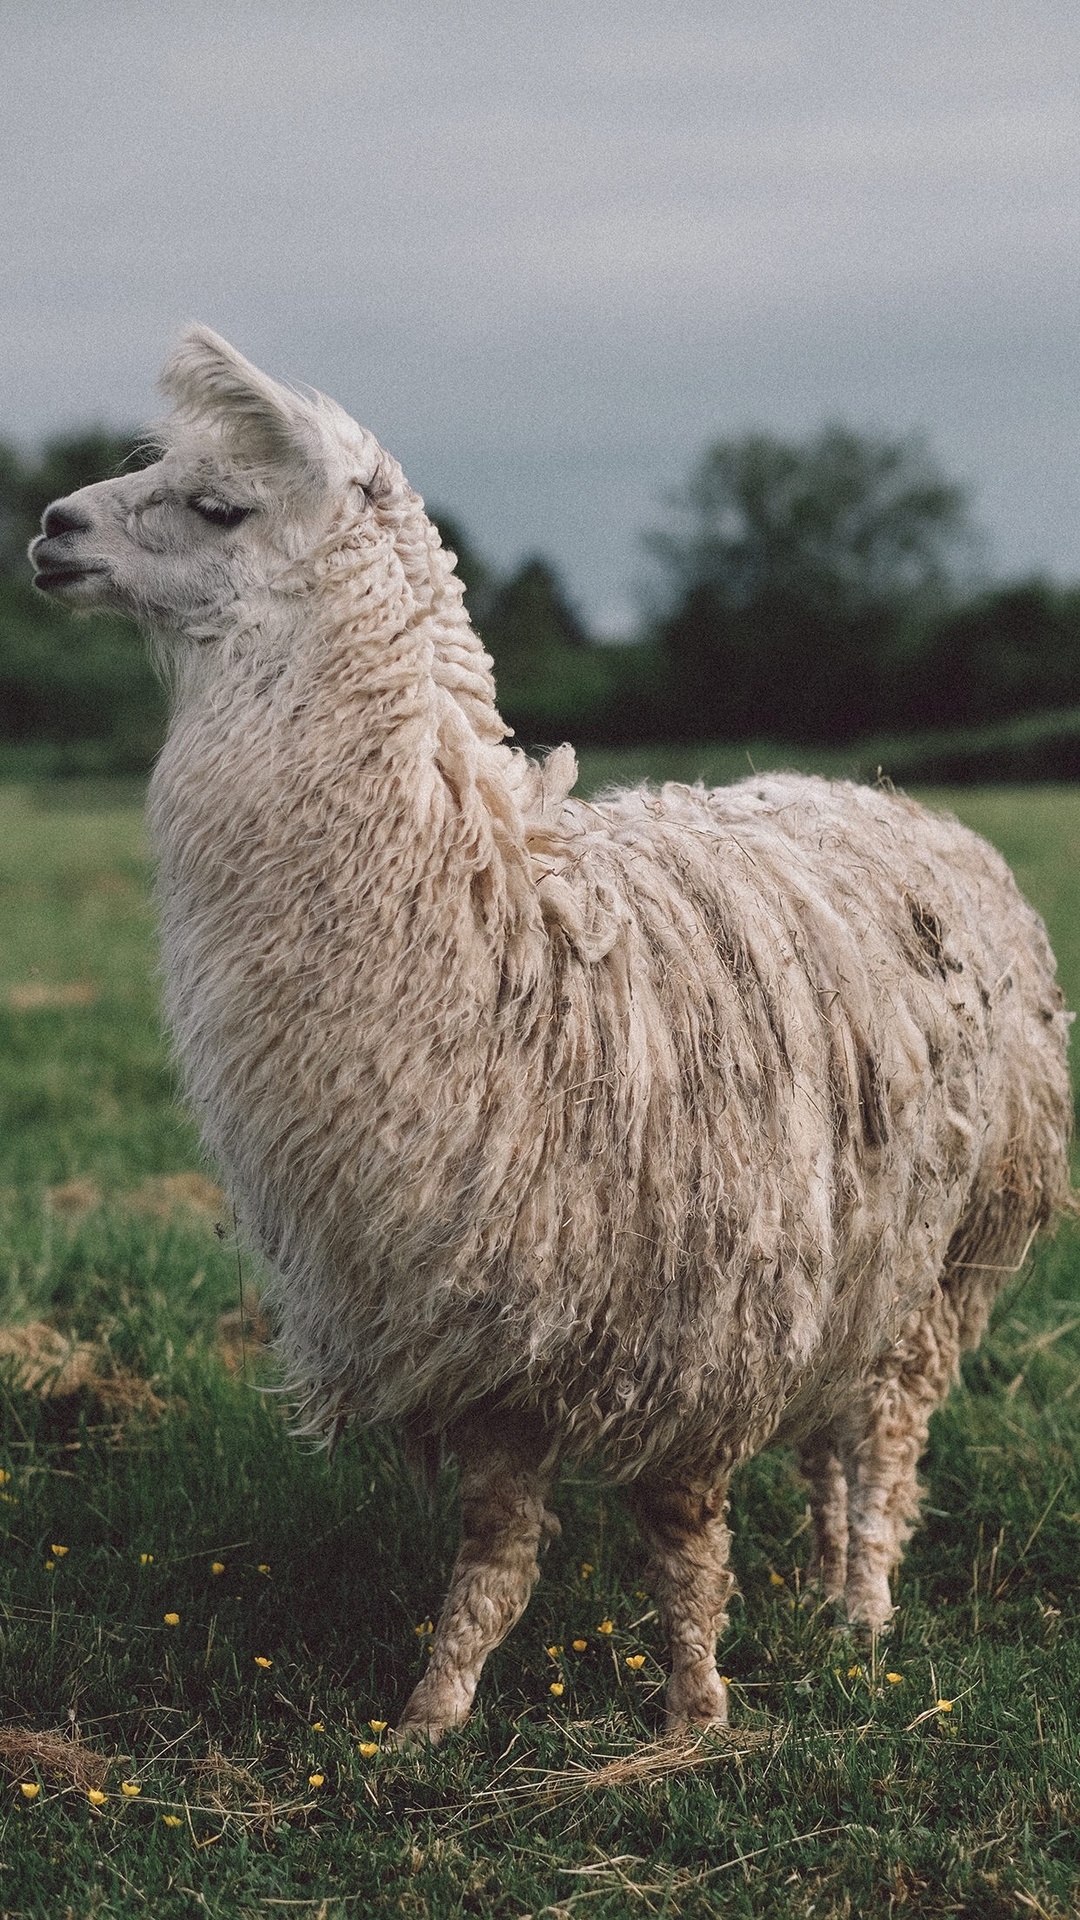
pixel 436 1706
pixel 413 1735
pixel 869 1606
pixel 869 1613
pixel 696 1704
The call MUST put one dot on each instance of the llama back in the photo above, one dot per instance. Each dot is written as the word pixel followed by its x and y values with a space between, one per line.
pixel 847 1042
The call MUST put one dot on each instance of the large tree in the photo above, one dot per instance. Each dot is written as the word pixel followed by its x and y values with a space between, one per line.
pixel 791 570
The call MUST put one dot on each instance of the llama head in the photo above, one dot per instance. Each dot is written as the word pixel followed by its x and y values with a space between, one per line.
pixel 254 480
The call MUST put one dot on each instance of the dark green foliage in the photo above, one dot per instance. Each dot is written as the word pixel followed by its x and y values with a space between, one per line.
pixel 64 681
pixel 846 523
pixel 792 574
pixel 1011 651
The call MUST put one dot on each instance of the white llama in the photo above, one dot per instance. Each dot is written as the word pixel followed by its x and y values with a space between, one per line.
pixel 655 1130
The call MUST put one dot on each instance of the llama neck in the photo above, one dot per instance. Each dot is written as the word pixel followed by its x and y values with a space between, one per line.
pixel 342 850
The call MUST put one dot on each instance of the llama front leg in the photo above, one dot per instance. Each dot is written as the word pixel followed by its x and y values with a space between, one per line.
pixel 881 1443
pixel 824 1470
pixel 504 1520
pixel 688 1541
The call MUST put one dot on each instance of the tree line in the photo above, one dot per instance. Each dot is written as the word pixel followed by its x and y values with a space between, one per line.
pixel 811 593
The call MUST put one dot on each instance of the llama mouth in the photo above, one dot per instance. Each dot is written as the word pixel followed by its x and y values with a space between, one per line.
pixel 58 579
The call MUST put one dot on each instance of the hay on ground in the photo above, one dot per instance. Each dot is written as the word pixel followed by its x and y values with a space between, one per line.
pixel 74 1198
pixel 55 1755
pixel 28 996
pixel 55 1366
pixel 160 1197
pixel 243 1334
pixel 164 1195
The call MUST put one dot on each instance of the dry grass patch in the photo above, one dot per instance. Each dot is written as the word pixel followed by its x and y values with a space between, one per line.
pixel 165 1195
pixel 73 1199
pixel 53 1754
pixel 674 1754
pixel 29 996
pixel 161 1197
pixel 224 1787
pixel 243 1334
pixel 54 1366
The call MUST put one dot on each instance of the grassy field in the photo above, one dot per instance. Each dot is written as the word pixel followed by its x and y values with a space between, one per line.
pixel 204 1624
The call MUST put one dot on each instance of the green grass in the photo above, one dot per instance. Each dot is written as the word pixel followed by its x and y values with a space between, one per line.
pixel 868 1802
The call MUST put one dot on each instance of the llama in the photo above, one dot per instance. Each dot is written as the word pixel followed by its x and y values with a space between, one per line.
pixel 653 1130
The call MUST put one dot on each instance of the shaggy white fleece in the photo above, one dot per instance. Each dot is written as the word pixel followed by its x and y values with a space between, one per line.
pixel 654 1129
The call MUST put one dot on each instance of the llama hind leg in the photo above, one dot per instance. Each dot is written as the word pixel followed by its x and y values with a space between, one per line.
pixel 504 1521
pixel 822 1467
pixel 688 1541
pixel 881 1445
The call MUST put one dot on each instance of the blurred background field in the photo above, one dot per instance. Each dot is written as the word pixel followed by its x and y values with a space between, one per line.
pixel 827 594
pixel 196 1607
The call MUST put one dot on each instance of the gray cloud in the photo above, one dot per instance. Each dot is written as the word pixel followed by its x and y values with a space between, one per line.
pixel 548 252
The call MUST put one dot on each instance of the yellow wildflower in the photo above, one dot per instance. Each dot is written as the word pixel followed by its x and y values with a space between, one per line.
pixel 894 1679
pixel 58 1552
pixel 171 1619
pixel 171 1820
pixel 317 1727
pixel 423 1627
pixel 776 1579
pixel 556 1688
pixel 579 1646
pixel 944 1706
pixel 368 1748
pixel 606 1626
pixel 131 1788
pixel 49 1565
pixel 587 1568
pixel 217 1566
pixel 377 1726
pixel 262 1661
pixel 96 1797
pixel 553 1652
pixel 264 1567
pixel 4 1476
pixel 29 1789
pixel 316 1779
pixel 635 1660
pixel 853 1673
pixel 146 1559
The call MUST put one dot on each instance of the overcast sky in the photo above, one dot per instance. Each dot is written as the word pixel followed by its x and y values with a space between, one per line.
pixel 548 251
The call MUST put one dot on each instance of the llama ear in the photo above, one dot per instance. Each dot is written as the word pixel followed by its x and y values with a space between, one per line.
pixel 266 424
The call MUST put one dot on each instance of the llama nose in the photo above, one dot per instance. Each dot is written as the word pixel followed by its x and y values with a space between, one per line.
pixel 62 517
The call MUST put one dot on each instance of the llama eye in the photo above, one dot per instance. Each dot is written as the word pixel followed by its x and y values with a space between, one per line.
pixel 218 512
